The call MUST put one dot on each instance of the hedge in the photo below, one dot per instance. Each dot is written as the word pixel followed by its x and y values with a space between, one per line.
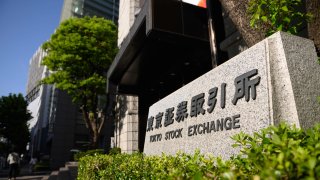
pixel 281 152
pixel 93 152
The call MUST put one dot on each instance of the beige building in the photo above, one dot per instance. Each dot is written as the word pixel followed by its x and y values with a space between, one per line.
pixel 126 117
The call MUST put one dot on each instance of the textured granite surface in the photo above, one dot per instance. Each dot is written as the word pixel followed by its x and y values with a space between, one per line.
pixel 295 80
pixel 283 77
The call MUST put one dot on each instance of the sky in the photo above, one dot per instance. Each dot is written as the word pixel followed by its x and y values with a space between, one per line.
pixel 24 26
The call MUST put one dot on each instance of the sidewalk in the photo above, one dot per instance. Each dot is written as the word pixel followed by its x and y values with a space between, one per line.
pixel 29 177
pixel 24 174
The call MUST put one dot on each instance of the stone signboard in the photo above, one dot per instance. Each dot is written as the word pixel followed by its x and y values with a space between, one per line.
pixel 277 79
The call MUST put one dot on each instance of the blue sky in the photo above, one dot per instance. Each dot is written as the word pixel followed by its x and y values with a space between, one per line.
pixel 24 26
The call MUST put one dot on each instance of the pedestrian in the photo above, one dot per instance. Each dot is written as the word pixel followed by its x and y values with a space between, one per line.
pixel 13 160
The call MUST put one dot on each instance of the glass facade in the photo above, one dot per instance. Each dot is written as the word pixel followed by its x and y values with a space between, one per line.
pixel 108 9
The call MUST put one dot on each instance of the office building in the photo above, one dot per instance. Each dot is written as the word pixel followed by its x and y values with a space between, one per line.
pixel 101 8
pixel 63 130
pixel 38 98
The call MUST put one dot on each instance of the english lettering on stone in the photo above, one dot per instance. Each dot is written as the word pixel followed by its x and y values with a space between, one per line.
pixel 155 138
pixel 227 124
pixel 175 134
pixel 235 121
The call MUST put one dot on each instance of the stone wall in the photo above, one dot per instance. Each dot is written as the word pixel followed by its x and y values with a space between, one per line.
pixel 126 123
pixel 275 80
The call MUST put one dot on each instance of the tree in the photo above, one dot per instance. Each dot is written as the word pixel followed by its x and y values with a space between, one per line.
pixel 237 11
pixel 313 7
pixel 271 16
pixel 78 54
pixel 14 118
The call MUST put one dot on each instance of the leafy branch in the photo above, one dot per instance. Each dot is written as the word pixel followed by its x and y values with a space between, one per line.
pixel 271 16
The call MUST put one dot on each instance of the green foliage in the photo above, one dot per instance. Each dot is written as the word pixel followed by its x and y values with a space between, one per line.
pixel 274 153
pixel 115 150
pixel 279 153
pixel 277 15
pixel 139 166
pixel 79 53
pixel 14 119
pixel 93 152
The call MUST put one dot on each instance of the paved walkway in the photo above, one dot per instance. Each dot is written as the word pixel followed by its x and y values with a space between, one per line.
pixel 29 177
pixel 24 174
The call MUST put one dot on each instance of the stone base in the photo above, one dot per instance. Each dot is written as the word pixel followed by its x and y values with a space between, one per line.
pixel 275 80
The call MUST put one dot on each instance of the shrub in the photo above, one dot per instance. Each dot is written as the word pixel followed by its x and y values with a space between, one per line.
pixel 139 166
pixel 115 150
pixel 281 152
pixel 93 152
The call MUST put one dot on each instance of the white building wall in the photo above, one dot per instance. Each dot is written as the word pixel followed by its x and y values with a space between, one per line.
pixel 127 123
pixel 39 107
pixel 127 120
pixel 127 11
pixel 35 70
pixel 66 10
pixel 38 97
pixel 33 107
